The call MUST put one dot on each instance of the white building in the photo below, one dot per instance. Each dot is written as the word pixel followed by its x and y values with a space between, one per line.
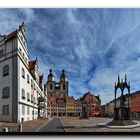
pixel 22 91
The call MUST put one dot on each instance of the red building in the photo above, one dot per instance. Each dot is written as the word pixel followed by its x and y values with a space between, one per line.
pixel 52 107
pixel 135 105
pixel 78 107
pixel 92 104
pixel 61 106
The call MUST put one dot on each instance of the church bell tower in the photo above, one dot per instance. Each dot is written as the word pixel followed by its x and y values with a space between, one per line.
pixel 63 84
pixel 51 85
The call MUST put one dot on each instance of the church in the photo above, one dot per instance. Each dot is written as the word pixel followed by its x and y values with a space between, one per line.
pixel 57 89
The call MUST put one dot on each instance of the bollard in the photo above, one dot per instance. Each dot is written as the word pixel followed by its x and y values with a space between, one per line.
pixel 20 127
pixel 5 129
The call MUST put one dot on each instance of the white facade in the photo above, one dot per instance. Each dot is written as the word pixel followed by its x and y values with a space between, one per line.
pixel 21 104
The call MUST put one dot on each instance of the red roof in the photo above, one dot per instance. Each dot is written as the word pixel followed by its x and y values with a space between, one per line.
pixel 11 35
pixel 32 64
pixel 40 78
pixel 89 96
pixel 70 98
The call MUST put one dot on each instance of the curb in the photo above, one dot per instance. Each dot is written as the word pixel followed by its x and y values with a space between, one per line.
pixel 120 127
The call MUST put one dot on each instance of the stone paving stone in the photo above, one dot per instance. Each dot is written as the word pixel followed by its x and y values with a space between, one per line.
pixel 34 125
pixel 73 124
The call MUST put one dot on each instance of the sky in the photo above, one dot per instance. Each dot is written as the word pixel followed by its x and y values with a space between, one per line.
pixel 92 45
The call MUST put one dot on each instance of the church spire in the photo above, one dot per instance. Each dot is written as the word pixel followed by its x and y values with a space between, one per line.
pixel 118 78
pixel 125 78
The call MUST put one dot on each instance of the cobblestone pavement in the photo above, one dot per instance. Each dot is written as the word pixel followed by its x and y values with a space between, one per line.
pixel 34 125
pixel 54 126
pixel 73 124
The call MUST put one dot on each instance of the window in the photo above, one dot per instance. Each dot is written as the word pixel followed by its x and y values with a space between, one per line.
pixel 32 98
pixel 5 109
pixel 28 110
pixel 31 83
pixel 23 93
pixel 23 55
pixel 5 92
pixel 6 70
pixel 50 86
pixel 23 73
pixel 23 109
pixel 28 79
pixel 1 53
pixel 63 86
pixel 28 96
pixel 20 50
pixel 25 59
pixel 34 86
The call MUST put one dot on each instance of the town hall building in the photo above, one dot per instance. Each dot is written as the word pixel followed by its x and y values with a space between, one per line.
pixel 23 95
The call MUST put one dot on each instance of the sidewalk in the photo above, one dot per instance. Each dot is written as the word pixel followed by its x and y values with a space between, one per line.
pixel 34 125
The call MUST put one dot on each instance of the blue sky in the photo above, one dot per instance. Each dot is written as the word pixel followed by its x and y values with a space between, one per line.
pixel 92 45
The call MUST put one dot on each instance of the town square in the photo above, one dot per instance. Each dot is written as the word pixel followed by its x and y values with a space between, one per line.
pixel 69 70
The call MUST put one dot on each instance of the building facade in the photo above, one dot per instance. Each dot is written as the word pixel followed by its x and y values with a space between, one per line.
pixel 92 104
pixel 135 105
pixel 78 107
pixel 56 106
pixel 20 86
pixel 70 106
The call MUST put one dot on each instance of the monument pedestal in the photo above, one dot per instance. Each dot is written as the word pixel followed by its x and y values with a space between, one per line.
pixel 121 123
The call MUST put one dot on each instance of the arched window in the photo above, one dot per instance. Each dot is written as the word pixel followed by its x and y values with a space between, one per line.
pixel 6 92
pixel 6 70
pixel 32 98
pixel 23 93
pixel 28 79
pixel 50 86
pixel 28 96
pixel 23 73
pixel 64 87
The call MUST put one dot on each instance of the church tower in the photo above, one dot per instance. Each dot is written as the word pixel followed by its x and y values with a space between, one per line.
pixel 51 85
pixel 63 84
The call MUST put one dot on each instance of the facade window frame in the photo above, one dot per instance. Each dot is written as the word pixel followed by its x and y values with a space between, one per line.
pixel 6 92
pixel 23 94
pixel 28 96
pixel 51 87
pixel 5 109
pixel 28 79
pixel 23 110
pixel 5 70
pixel 1 53
pixel 23 73
pixel 64 86
pixel 28 110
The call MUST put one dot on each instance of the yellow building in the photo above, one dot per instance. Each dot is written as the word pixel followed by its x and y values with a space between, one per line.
pixel 70 106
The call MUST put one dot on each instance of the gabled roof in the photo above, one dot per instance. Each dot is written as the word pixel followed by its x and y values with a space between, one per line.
pixel 98 98
pixel 88 94
pixel 135 93
pixel 11 35
pixel 70 98
pixel 40 78
pixel 32 64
